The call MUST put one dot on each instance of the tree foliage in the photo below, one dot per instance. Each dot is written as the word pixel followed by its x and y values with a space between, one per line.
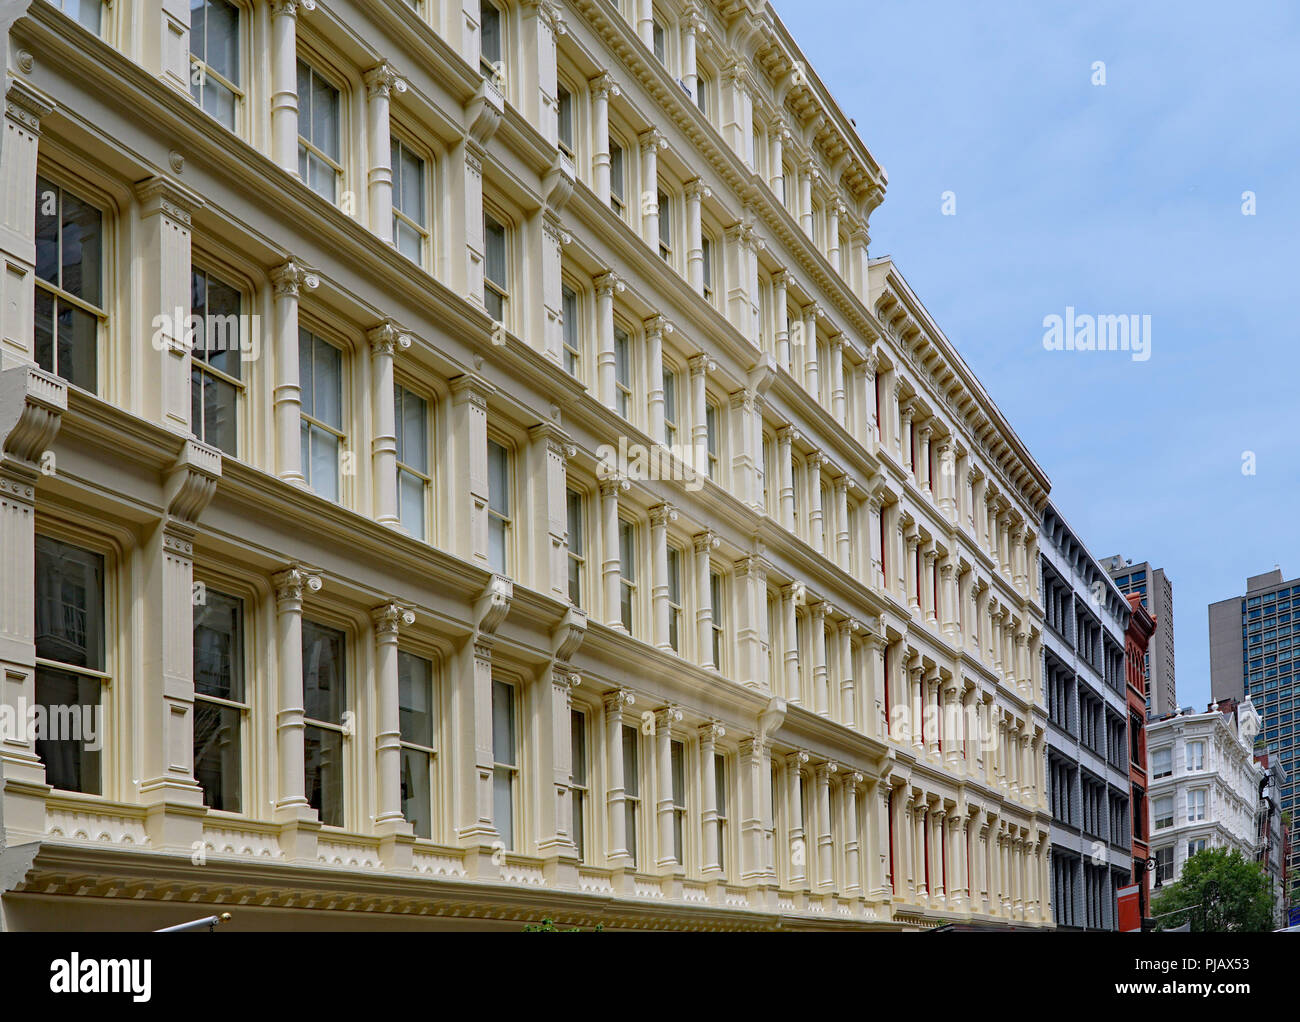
pixel 1219 891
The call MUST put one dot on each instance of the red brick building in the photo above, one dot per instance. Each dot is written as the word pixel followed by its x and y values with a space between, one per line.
pixel 1141 627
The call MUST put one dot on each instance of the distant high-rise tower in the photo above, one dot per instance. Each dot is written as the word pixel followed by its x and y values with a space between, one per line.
pixel 1157 594
pixel 1250 654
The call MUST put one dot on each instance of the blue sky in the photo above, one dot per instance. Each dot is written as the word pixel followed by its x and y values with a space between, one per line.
pixel 1115 199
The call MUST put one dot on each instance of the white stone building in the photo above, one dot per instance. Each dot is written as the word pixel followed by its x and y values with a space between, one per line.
pixel 1205 785
pixel 373 628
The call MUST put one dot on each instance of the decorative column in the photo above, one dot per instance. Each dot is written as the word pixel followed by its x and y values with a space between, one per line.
pixel 825 839
pixel 469 468
pixel 874 722
pixel 779 134
pixel 710 735
pixel 704 544
pixel 473 811
pixel 390 823
pixel 384 340
pixel 292 809
pixel 752 639
pixel 656 328
pixel 875 526
pixel 607 286
pixel 754 774
pixel 910 581
pixel 791 596
pixel 916 688
pixel 699 366
pixel 839 399
pixel 816 531
pixel 939 851
pixel 617 854
pixel 794 764
pixel 811 369
pixel 287 281
pixel 32 403
pixel 610 571
pixel 852 871
pixel 785 438
pixel 843 548
pixel 781 309
pixel 545 460
pixel 24 108
pixel 821 679
pixel 736 119
pixel 693 24
pixel 556 835
pixel 660 516
pixel 380 80
pixel 650 142
pixel 696 193
pixel 931 609
pixel 848 715
pixel 947 617
pixel 808 174
pixel 953 724
pixel 164 714
pixel 664 721
pixel 922 468
pixel 645 22
pixel 833 210
pixel 284 81
pixel 603 88
pixel 161 266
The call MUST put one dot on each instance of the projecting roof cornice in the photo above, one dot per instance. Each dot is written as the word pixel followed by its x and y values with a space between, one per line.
pixel 936 364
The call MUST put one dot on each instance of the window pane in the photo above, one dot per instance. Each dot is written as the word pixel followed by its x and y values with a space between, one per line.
pixel 219 646
pixel 68 741
pixel 222 54
pixel 616 169
pixel 324 117
pixel 411 504
pixel 44 332
pixel 69 604
pixel 415 698
pixel 490 32
pixel 306 341
pixel 564 110
pixel 631 780
pixel 217 755
pixel 503 804
pixel 220 339
pixel 323 767
pixel 77 334
pixel 627 550
pixel 494 251
pixel 578 726
pixel 417 800
pixel 219 425
pixel 324 463
pixel 327 383
pixel 503 723
pixel 498 478
pixel 412 430
pixel 324 675
pixel 81 245
pixel 47 231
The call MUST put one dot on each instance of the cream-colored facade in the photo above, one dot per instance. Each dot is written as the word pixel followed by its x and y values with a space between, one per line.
pixel 379 632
